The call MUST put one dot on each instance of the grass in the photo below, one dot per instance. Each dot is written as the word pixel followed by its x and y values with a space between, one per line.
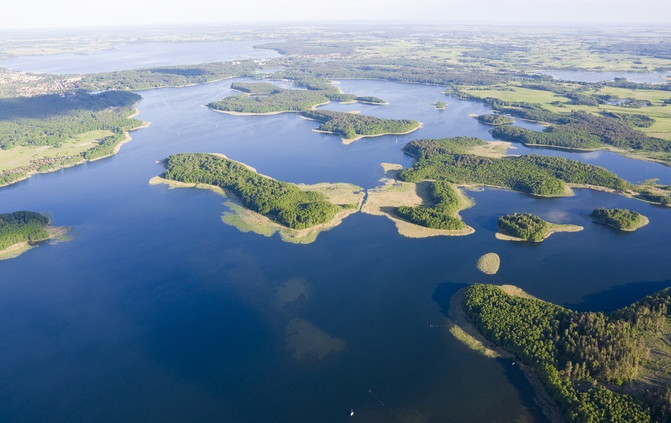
pixel 22 156
pixel 489 263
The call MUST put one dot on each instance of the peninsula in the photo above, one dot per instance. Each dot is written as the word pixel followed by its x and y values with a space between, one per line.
pixel 261 204
pixel 23 230
pixel 596 366
pixel 352 127
pixel 529 227
pixel 621 219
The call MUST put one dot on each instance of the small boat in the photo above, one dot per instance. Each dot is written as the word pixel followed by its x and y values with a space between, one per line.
pixel 351 412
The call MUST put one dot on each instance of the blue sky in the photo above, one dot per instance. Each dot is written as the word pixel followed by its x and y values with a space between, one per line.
pixel 69 13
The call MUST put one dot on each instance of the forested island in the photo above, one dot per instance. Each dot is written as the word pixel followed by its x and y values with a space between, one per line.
pixel 46 133
pixel 451 159
pixel 371 100
pixel 21 230
pixel 301 211
pixel 597 367
pixel 494 120
pixel 352 127
pixel 529 227
pixel 266 98
pixel 622 219
pixel 442 214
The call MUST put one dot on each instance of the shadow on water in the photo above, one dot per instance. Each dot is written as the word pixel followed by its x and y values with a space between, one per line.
pixel 619 296
pixel 442 295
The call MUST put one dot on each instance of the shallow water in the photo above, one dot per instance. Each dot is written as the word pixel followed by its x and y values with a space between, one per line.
pixel 157 311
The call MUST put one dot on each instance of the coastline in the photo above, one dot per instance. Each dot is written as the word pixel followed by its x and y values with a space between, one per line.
pixel 19 248
pixel 462 329
pixel 383 200
pixel 127 138
pixel 644 221
pixel 246 220
pixel 554 228
pixel 233 113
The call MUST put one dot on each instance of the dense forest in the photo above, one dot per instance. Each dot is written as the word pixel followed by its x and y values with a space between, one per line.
pixel 168 76
pixel 282 202
pixel 622 219
pixel 22 226
pixel 279 100
pixel 370 100
pixel 495 120
pixel 538 175
pixel 256 88
pixel 524 225
pixel 442 215
pixel 52 119
pixel 349 125
pixel 580 357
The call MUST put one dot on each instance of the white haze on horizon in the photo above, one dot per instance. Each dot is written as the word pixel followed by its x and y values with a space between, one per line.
pixel 33 14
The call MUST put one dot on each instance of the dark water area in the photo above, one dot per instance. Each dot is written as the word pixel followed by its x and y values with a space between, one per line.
pixel 139 55
pixel 158 311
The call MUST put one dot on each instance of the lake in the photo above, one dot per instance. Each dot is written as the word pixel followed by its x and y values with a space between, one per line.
pixel 157 311
pixel 137 55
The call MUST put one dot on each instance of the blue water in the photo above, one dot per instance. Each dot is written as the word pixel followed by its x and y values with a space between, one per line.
pixel 583 76
pixel 157 311
pixel 139 55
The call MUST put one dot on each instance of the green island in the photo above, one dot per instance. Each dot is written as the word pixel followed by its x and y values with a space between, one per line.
pixel 371 100
pixel 442 214
pixel 494 119
pixel 266 98
pixel 22 230
pixel 441 105
pixel 418 210
pixel 595 366
pixel 529 227
pixel 351 126
pixel 266 206
pixel 622 219
pixel 465 161
pixel 48 132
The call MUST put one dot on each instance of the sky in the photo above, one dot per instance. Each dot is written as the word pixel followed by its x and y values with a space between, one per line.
pixel 75 13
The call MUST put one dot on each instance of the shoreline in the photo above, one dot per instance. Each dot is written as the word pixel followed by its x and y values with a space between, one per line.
pixel 644 221
pixel 19 248
pixel 348 141
pixel 234 113
pixel 246 220
pixel 554 228
pixel 127 138
pixel 463 330
pixel 383 199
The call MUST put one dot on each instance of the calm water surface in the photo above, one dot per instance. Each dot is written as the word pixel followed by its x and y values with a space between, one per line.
pixel 139 55
pixel 157 311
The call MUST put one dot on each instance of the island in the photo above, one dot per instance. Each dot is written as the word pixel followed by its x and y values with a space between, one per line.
pixel 441 105
pixel 23 230
pixel 591 366
pixel 494 119
pixel 529 227
pixel 468 161
pixel 49 132
pixel 621 219
pixel 489 263
pixel 371 100
pixel 352 127
pixel 267 99
pixel 419 210
pixel 261 204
